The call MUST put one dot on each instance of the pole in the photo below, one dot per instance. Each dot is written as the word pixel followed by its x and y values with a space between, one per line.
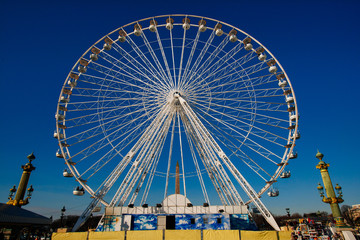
pixel 330 193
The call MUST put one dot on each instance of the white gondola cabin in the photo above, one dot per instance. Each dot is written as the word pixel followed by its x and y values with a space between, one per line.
pixel 186 23
pixel 153 25
pixel 79 191
pixel 285 174
pixel 137 30
pixel 289 99
pixel 67 173
pixel 282 83
pixel 107 46
pixel 202 26
pixel 232 35
pixel 293 117
pixel 64 99
pixel 262 57
pixel 169 23
pixel 72 83
pixel 272 69
pixel 273 192
pixel 59 116
pixel 122 36
pixel 296 135
pixel 293 155
pixel 59 154
pixel 218 30
pixel 247 44
pixel 82 69
pixel 94 57
pixel 56 135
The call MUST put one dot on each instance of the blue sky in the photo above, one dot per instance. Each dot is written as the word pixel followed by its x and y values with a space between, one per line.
pixel 315 41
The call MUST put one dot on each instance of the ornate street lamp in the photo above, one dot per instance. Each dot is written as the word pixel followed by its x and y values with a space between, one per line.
pixel 19 200
pixel 330 197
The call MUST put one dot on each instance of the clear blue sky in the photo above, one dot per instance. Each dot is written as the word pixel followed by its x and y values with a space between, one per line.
pixel 317 43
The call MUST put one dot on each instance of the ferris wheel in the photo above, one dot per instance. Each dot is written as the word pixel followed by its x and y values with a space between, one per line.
pixel 176 89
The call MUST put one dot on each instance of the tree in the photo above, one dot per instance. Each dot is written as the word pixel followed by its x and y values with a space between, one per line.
pixel 296 215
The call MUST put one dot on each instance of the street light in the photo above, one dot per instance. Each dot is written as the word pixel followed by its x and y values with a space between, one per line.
pixel 288 211
pixel 338 190
pixel 63 210
pixel 321 190
pixel 330 197
pixel 12 192
pixel 29 191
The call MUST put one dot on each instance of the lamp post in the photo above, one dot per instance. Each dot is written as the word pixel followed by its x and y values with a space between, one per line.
pixel 19 200
pixel 63 210
pixel 288 211
pixel 330 197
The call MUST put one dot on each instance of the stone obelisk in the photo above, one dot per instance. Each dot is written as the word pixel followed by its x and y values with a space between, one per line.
pixel 177 179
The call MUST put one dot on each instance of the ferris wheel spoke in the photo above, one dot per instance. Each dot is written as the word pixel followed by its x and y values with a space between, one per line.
pixel 153 171
pixel 97 165
pixel 253 82
pixel 108 106
pixel 148 63
pixel 260 92
pixel 116 82
pixel 156 60
pixel 191 55
pixel 216 171
pixel 95 106
pixel 119 115
pixel 232 128
pixel 173 57
pixel 147 158
pixel 92 118
pixel 169 159
pixel 138 66
pixel 119 84
pixel 205 64
pixel 237 117
pixel 227 137
pixel 96 146
pixel 261 106
pixel 201 55
pixel 126 160
pixel 237 150
pixel 181 155
pixel 229 190
pixel 207 70
pixel 235 172
pixel 246 117
pixel 150 170
pixel 229 71
pixel 140 77
pixel 229 76
pixel 172 81
pixel 181 58
pixel 197 167
pixel 119 197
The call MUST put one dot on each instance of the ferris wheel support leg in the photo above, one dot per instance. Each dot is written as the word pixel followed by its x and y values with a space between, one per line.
pixel 86 214
pixel 234 171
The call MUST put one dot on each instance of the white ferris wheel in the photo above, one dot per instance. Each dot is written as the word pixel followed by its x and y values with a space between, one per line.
pixel 177 89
